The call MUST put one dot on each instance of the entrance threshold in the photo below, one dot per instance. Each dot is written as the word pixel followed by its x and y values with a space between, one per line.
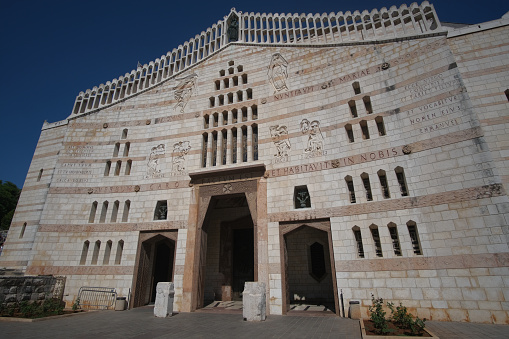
pixel 311 310
pixel 224 307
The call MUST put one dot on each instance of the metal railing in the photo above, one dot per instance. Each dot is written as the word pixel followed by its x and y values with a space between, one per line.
pixel 97 298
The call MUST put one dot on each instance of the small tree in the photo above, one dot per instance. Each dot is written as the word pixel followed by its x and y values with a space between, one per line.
pixel 377 316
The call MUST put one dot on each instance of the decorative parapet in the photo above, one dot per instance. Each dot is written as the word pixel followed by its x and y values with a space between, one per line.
pixel 274 29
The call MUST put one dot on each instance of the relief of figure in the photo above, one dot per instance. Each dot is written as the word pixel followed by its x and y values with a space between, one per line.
pixel 315 140
pixel 279 135
pixel 278 73
pixel 180 149
pixel 153 160
pixel 184 90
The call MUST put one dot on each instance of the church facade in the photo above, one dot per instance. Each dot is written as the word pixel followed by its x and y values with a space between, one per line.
pixel 360 153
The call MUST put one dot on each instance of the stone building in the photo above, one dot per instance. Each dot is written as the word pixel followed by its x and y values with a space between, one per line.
pixel 362 152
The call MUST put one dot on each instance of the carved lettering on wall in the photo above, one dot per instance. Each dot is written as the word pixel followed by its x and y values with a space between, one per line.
pixel 429 85
pixel 180 149
pixel 293 93
pixel 184 90
pixel 79 151
pixel 278 73
pixel 153 167
pixel 314 146
pixel 279 135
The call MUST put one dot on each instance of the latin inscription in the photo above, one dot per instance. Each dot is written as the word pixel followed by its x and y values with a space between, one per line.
pixel 293 93
pixel 233 177
pixel 343 162
pixel 79 151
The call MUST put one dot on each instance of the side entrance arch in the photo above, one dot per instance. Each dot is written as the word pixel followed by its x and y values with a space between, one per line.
pixel 155 262
pixel 307 263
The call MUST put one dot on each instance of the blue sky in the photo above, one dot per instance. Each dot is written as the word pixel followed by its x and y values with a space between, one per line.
pixel 52 50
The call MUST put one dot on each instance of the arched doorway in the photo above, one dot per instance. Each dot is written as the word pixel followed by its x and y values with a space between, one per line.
pixel 309 277
pixel 155 263
pixel 228 250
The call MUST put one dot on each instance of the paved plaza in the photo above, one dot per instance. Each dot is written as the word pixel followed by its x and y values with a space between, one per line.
pixel 140 323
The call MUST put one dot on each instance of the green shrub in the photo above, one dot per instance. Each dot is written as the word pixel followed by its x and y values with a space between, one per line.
pixel 404 320
pixel 377 316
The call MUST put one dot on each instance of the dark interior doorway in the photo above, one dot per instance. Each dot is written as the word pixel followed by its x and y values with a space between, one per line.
pixel 155 263
pixel 243 260
pixel 163 265
pixel 228 249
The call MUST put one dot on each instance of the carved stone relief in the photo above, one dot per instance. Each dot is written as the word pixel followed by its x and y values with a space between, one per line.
pixel 279 135
pixel 180 150
pixel 184 90
pixel 278 73
pixel 315 138
pixel 153 169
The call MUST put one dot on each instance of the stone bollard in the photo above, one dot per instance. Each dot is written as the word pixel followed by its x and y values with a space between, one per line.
pixel 354 311
pixel 253 301
pixel 165 294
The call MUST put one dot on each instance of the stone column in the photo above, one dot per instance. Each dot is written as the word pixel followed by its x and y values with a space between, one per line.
pixel 219 153
pixel 249 112
pixel 229 138
pixel 230 117
pixel 239 145
pixel 211 121
pixel 249 143
pixel 220 119
pixel 209 150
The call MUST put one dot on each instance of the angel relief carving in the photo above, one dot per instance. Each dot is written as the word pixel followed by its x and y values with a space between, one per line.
pixel 279 135
pixel 180 150
pixel 184 91
pixel 314 145
pixel 153 169
pixel 278 72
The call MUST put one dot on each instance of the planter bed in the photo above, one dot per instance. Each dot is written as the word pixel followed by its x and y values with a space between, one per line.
pixel 366 326
pixel 31 320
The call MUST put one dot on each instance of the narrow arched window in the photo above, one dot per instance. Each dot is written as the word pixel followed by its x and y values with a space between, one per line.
pixel 356 87
pixel 400 175
pixel 353 108
pixel 93 211
pixel 127 146
pixel 84 253
pixel 367 186
pixel 107 253
pixel 376 240
pixel 384 185
pixel 116 149
pixel 117 167
pixel 380 125
pixel 351 190
pixel 40 175
pixel 120 249
pixel 124 134
pixel 349 133
pixel 114 211
pixel 364 129
pixel 125 214
pixel 393 231
pixel 367 104
pixel 104 210
pixel 23 228
pixel 128 167
pixel 95 254
pixel 414 237
pixel 107 168
pixel 358 240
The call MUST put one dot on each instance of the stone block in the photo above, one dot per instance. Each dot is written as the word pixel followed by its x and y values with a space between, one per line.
pixel 254 301
pixel 165 294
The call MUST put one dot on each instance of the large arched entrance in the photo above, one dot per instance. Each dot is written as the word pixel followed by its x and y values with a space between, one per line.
pixel 155 263
pixel 228 251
